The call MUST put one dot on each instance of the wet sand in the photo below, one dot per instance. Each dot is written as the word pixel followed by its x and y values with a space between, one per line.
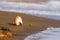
pixel 20 32
pixel 28 1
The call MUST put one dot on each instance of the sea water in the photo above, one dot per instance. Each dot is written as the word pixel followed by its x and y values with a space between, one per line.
pixel 50 9
pixel 48 34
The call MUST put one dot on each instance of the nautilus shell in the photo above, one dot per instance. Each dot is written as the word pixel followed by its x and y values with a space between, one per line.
pixel 18 21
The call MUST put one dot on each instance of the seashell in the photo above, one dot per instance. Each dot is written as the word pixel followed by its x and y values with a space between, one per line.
pixel 18 21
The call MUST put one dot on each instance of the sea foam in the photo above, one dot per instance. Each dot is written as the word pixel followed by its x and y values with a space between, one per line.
pixel 50 9
pixel 48 34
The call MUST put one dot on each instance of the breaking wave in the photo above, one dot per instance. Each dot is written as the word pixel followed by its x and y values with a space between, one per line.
pixel 48 34
pixel 50 9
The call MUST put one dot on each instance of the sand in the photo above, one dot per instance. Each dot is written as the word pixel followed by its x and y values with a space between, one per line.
pixel 20 32
pixel 28 1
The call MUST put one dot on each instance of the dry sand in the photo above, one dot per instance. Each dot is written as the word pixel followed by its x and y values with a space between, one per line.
pixel 20 32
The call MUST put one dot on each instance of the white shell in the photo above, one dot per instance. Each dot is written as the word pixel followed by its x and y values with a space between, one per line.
pixel 18 20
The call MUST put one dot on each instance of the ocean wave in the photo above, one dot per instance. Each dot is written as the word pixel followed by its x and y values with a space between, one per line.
pixel 48 34
pixel 48 9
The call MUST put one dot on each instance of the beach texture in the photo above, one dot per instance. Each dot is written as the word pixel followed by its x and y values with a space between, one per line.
pixel 28 1
pixel 20 32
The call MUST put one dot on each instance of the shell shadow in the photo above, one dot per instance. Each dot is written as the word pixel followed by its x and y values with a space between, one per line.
pixel 11 24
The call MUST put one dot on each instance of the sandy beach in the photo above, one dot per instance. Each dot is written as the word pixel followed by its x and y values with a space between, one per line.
pixel 20 32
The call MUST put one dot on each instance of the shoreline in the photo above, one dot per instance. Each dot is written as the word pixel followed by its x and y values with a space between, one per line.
pixel 28 1
pixel 38 24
